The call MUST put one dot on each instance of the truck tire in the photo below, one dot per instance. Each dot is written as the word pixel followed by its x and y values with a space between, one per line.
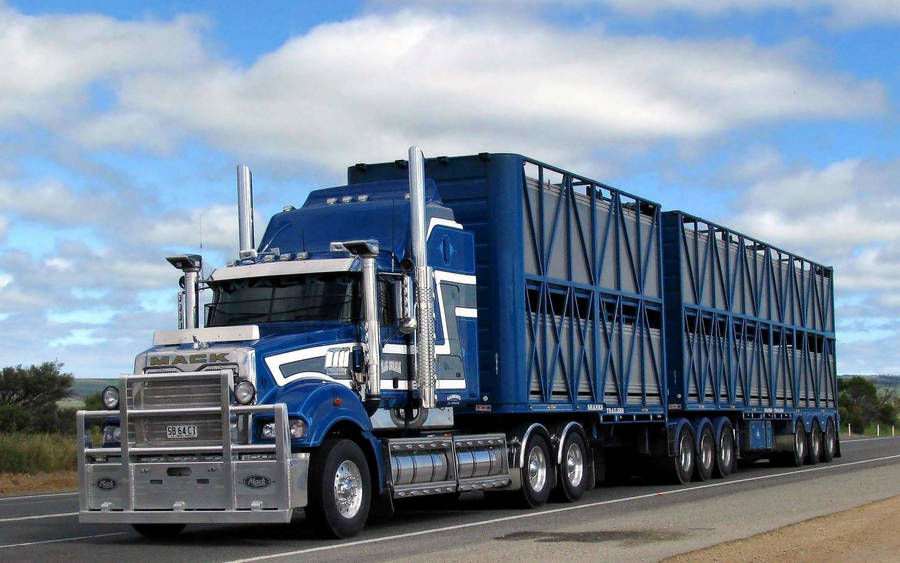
pixel 829 442
pixel 706 455
pixel 797 455
pixel 680 467
pixel 340 489
pixel 158 531
pixel 573 471
pixel 724 451
pixel 814 445
pixel 535 472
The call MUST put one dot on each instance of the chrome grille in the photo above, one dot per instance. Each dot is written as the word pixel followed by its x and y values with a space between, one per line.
pixel 151 432
pixel 195 391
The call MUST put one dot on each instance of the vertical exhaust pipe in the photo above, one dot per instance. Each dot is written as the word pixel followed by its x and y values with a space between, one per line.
pixel 245 209
pixel 426 378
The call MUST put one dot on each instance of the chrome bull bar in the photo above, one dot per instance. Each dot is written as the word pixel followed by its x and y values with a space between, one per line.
pixel 222 483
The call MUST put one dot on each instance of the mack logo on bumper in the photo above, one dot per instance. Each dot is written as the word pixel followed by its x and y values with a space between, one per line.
pixel 106 484
pixel 257 481
pixel 189 359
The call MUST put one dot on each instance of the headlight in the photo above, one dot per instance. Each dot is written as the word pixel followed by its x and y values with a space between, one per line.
pixel 112 435
pixel 110 397
pixel 298 428
pixel 244 392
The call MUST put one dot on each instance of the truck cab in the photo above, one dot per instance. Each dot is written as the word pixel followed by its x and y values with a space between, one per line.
pixel 308 358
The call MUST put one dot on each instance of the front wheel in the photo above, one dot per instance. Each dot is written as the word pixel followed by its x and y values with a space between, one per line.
pixel 340 489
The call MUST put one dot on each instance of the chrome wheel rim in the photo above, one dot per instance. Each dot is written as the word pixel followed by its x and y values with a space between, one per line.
pixel 706 450
pixel 684 454
pixel 800 442
pixel 348 489
pixel 725 449
pixel 574 464
pixel 537 468
pixel 814 445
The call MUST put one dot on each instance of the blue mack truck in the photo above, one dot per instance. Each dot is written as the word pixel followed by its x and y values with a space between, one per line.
pixel 479 323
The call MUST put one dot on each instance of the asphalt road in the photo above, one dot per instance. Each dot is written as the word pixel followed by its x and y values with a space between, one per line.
pixel 632 522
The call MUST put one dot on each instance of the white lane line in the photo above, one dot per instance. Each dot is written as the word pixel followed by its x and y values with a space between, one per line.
pixel 47 495
pixel 851 440
pixel 62 540
pixel 38 517
pixel 552 511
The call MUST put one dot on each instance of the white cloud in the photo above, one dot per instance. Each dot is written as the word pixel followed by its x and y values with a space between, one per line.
pixel 49 61
pixel 214 226
pixel 847 215
pixel 829 211
pixel 837 13
pixel 4 227
pixel 369 86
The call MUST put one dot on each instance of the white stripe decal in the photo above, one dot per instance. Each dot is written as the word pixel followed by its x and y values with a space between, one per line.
pixel 403 385
pixel 441 276
pixel 436 221
pixel 467 312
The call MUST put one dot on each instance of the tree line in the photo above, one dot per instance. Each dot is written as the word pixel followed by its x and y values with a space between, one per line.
pixel 28 397
pixel 862 405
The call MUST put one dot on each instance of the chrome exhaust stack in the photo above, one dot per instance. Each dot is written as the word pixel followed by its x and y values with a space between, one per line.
pixel 188 308
pixel 426 378
pixel 245 211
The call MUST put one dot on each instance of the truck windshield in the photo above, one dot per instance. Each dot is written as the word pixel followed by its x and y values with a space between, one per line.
pixel 311 297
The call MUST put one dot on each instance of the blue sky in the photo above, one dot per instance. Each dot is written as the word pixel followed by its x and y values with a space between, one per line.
pixel 120 125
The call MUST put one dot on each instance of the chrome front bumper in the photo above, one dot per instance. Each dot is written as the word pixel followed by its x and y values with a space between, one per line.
pixel 223 483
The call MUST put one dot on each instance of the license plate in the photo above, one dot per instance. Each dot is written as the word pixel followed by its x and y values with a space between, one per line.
pixel 181 431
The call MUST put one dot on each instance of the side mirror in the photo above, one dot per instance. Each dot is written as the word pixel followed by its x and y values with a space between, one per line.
pixel 357 360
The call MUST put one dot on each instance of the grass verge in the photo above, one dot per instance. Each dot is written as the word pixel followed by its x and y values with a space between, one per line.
pixel 37 453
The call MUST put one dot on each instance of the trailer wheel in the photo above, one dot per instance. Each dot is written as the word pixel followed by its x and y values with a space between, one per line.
pixel 814 447
pixel 797 455
pixel 573 478
pixel 158 531
pixel 829 442
pixel 681 466
pixel 535 472
pixel 340 489
pixel 706 455
pixel 725 451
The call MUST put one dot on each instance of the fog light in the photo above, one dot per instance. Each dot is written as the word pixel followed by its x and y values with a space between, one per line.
pixel 110 397
pixel 111 435
pixel 268 431
pixel 244 392
pixel 298 428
